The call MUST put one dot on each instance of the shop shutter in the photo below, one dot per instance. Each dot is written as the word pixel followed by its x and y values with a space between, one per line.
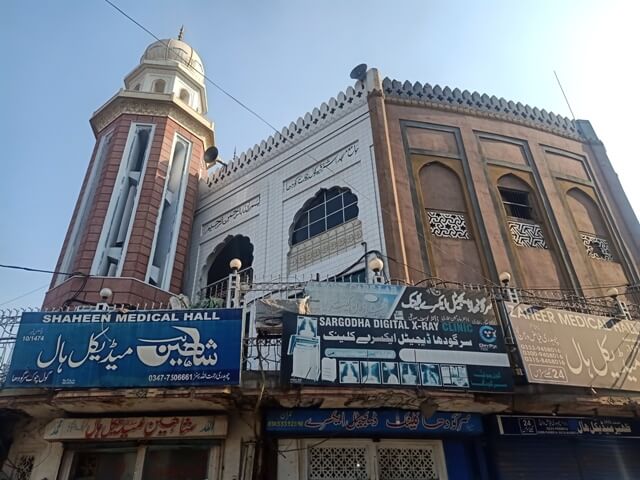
pixel 535 459
pixel 614 458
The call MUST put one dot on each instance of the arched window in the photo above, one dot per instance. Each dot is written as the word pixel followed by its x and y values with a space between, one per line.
pixel 328 209
pixel 184 95
pixel 593 232
pixel 448 226
pixel 516 198
pixel 159 86
pixel 444 201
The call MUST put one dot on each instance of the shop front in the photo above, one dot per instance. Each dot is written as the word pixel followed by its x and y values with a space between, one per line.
pixel 571 448
pixel 139 448
pixel 374 444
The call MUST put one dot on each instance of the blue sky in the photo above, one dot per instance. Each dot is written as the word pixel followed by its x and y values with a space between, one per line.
pixel 64 59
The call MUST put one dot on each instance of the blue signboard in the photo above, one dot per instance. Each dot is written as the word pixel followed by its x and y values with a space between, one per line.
pixel 375 422
pixel 127 349
pixel 562 426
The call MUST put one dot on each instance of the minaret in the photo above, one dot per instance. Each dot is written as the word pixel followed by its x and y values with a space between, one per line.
pixel 130 227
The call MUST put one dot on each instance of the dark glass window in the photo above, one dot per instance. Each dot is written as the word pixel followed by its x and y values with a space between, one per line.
pixel 328 209
pixel 103 465
pixel 353 277
pixel 170 463
pixel 516 203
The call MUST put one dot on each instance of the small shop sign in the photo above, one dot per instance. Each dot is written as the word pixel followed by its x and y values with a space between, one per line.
pixel 136 428
pixel 366 422
pixel 568 426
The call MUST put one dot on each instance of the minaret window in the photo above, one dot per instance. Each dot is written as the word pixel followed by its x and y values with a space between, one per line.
pixel 184 95
pixel 159 86
pixel 84 207
pixel 163 253
pixel 123 203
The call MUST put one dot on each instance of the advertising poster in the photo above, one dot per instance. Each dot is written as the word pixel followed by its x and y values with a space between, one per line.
pixel 443 339
pixel 568 348
pixel 133 349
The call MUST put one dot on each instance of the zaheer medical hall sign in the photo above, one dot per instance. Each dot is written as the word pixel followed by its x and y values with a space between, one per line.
pixel 569 348
pixel 133 349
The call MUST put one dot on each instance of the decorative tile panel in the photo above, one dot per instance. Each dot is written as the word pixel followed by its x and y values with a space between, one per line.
pixel 406 463
pixel 527 234
pixel 338 463
pixel 448 225
pixel 328 244
pixel 597 247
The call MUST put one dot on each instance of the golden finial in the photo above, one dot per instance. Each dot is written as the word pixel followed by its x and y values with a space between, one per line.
pixel 181 33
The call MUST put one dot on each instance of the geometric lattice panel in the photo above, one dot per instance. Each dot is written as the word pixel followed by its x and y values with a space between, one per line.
pixel 338 463
pixel 406 464
pixel 448 225
pixel 597 247
pixel 23 468
pixel 527 234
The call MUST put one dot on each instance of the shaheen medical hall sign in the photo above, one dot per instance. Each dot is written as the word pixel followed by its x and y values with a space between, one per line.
pixel 568 348
pixel 132 349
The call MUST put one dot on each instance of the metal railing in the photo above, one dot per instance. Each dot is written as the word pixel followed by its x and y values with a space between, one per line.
pixel 263 353
pixel 9 323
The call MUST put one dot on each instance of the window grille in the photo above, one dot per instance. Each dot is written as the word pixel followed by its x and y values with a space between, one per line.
pixel 516 203
pixel 338 463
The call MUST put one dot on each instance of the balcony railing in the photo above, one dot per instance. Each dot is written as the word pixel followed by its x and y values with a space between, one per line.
pixel 263 353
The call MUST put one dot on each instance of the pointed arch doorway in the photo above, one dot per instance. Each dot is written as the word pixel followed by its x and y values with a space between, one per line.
pixel 237 246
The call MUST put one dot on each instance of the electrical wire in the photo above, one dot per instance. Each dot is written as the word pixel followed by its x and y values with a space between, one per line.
pixel 24 294
pixel 277 132
pixel 39 270
pixel 208 79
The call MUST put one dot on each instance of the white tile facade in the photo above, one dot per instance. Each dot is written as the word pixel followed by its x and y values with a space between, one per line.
pixel 261 200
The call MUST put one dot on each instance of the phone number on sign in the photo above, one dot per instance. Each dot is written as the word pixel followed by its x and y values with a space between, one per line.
pixel 171 377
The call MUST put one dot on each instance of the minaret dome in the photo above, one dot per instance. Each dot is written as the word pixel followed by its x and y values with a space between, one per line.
pixel 171 66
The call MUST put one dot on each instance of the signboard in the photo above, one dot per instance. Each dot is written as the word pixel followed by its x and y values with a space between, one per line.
pixel 434 338
pixel 131 428
pixel 372 300
pixel 561 426
pixel 348 422
pixel 569 348
pixel 133 349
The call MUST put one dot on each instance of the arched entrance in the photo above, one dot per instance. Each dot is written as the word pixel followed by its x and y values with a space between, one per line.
pixel 237 246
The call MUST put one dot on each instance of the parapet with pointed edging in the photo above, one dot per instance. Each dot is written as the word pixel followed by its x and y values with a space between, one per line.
pixel 330 111
pixel 475 103
pixel 414 93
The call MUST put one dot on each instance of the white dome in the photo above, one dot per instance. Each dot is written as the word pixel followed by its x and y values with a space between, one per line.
pixel 173 50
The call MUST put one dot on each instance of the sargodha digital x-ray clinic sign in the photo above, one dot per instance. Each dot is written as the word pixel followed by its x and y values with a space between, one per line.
pixel 568 348
pixel 434 338
pixel 133 349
